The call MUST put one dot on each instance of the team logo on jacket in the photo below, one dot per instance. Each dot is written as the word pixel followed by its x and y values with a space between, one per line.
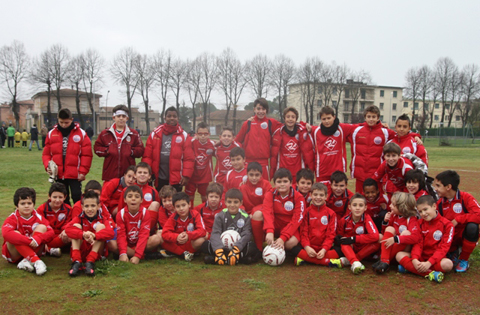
pixel 128 139
pixel 244 178
pixel 437 235
pixel 61 216
pixel 330 143
pixel 305 136
pixel 264 125
pixel 291 146
pixel 377 140
pixel 457 208
pixel 201 159
pixel 296 136
pixel 133 235
pixel 209 151
pixel 359 230
pixel 226 163
pixel 288 206
pixel 190 227
pixel 241 223
pixel 337 133
pixel 76 138
pixel 95 226
pixel 34 226
pixel 324 220
pixel 258 191
pixel 338 203
pixel 178 139
pixel 402 228
pixel 406 150
pixel 147 197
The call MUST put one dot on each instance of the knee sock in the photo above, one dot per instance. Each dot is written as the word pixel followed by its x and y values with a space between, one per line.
pixel 27 252
pixel 303 255
pixel 385 255
pixel 153 221
pixel 258 235
pixel 467 249
pixel 367 250
pixel 92 256
pixel 56 243
pixel 347 250
pixel 76 255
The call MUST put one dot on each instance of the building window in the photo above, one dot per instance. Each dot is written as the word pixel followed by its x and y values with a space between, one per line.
pixel 394 119
pixel 415 106
pixel 334 103
pixel 394 93
pixel 318 116
pixel 457 118
pixel 319 103
pixel 346 106
pixel 405 104
pixel 362 106
pixel 362 92
pixel 382 93
pixel 334 91
pixel 425 105
pixel 320 90
pixel 437 106
pixel 394 106
pixel 347 93
pixel 447 106
pixel 381 105
pixel 381 117
pixel 436 118
pixel 346 117
pixel 84 107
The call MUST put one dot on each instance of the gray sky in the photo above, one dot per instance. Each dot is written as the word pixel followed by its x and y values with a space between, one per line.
pixel 385 38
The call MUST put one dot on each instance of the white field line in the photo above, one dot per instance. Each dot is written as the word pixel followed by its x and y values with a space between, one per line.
pixel 451 168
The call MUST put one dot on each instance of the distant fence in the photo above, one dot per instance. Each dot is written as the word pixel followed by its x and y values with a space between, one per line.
pixel 466 136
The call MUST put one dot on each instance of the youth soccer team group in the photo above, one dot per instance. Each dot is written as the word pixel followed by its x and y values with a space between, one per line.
pixel 308 212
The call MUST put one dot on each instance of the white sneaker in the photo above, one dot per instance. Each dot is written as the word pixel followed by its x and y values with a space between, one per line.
pixel 357 267
pixel 56 252
pixel 345 261
pixel 40 267
pixel 25 264
pixel 188 256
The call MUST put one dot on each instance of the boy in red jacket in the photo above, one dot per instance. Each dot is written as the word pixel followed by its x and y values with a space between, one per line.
pixel 317 232
pixel 339 195
pixel 112 190
pixel 256 136
pixel 415 183
pixel 255 188
pixel 222 154
pixel 165 211
pixel 239 173
pixel 305 179
pixel 89 232
pixel 203 150
pixel 119 145
pixel 463 211
pixel 405 138
pixel 376 202
pixel 95 186
pixel 71 149
pixel 25 232
pixel 212 206
pixel 427 257
pixel 59 214
pixel 184 233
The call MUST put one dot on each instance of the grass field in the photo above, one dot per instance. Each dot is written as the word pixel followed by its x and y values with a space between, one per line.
pixel 175 286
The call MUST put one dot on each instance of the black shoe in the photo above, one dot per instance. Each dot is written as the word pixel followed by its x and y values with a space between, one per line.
pixel 90 269
pixel 75 269
pixel 375 265
pixel 382 267
pixel 153 255
pixel 210 260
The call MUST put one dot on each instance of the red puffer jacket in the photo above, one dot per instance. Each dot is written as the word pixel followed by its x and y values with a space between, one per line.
pixel 79 152
pixel 118 160
pixel 182 159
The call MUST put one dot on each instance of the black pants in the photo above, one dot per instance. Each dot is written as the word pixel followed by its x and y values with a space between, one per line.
pixel 10 142
pixel 74 189
pixel 43 142
pixel 24 144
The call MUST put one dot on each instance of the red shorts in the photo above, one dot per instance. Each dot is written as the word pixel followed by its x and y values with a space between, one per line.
pixel 178 249
pixel 8 257
pixel 192 187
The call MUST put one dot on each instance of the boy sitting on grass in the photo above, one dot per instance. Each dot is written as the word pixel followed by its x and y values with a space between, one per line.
pixel 209 209
pixel 255 187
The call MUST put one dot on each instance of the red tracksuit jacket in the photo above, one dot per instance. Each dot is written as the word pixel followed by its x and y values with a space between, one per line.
pixel 77 210
pixel 401 224
pixel 149 194
pixel 203 171
pixel 419 193
pixel 15 222
pixel 111 193
pixel 58 220
pixel 283 215
pixel 339 204
pixel 319 227
pixel 437 236
pixel 292 153
pixel 253 195
pixel 118 157
pixel 408 145
pixel 208 215
pixel 233 179
pixel 193 225
pixel 133 231
pixel 396 175
pixel 223 165
pixel 374 208
pixel 102 217
pixel 364 230
pixel 163 215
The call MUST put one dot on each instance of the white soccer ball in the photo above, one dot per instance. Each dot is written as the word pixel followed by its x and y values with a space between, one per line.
pixel 273 256
pixel 229 238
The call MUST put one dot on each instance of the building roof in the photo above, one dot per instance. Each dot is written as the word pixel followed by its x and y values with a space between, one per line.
pixel 65 92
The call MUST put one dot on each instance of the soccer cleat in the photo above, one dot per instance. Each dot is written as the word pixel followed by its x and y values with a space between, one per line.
pixel 90 268
pixel 152 255
pixel 462 266
pixel 382 267
pixel 345 261
pixel 402 269
pixel 56 252
pixel 337 263
pixel 375 265
pixel 299 261
pixel 357 267
pixel 26 265
pixel 436 276
pixel 75 269
pixel 40 267
pixel 188 256
pixel 209 260
pixel 165 254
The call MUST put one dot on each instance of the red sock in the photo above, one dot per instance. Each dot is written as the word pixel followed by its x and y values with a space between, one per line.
pixel 27 252
pixel 367 250
pixel 407 263
pixel 76 255
pixel 467 249
pixel 347 250
pixel 385 256
pixel 303 255
pixel 173 248
pixel 56 242
pixel 258 235
pixel 153 220
pixel 92 256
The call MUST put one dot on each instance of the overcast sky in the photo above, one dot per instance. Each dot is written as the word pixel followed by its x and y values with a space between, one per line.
pixel 385 38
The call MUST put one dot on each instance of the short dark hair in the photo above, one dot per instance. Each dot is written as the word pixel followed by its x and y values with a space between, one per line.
pixel 358 196
pixel 320 186
pixel 254 166
pixel 404 117
pixel 234 193
pixel 262 102
pixel 290 109
pixel 215 188
pixel 428 199
pixel 130 168
pixel 171 109
pixel 121 107
pixel 57 187
pixel 338 176
pixel 226 128
pixel 305 173
pixel 143 165
pixel 133 188
pixel 90 194
pixel 24 193
pixel 64 113
pixel 237 151
pixel 370 182
pixel 392 147
pixel 202 125
pixel 167 191
pixel 416 176
pixel 449 177
pixel 180 196
pixel 93 185
pixel 327 110
pixel 372 109
pixel 282 173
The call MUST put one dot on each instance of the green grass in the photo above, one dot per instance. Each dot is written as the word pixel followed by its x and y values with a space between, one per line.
pixel 173 286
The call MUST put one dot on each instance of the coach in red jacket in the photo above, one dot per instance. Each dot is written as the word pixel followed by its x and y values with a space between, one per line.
pixel 119 145
pixel 169 153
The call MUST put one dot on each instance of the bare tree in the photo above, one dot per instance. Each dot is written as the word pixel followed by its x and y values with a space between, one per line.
pixel 282 75
pixel 339 78
pixel 60 63
pixel 455 93
pixel 444 68
pixel 308 76
pixel 412 85
pixel 192 84
pixel 326 82
pixel 41 74
pixel 470 90
pixel 356 88
pixel 434 94
pixel 93 66
pixel 257 74
pixel 178 76
pixel 207 67
pixel 146 74
pixel 76 77
pixel 230 81
pixel 424 88
pixel 163 67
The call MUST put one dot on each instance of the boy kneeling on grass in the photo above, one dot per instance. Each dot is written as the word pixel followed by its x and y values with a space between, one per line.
pixel 25 233
pixel 89 231
pixel 235 219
